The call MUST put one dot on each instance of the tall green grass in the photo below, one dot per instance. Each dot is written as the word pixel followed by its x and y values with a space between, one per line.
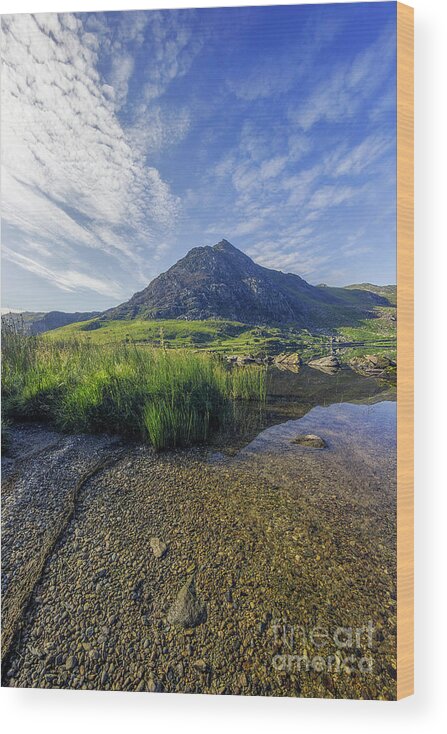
pixel 171 398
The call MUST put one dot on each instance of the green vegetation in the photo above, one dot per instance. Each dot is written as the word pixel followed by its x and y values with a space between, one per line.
pixel 227 337
pixel 377 329
pixel 168 332
pixel 210 335
pixel 165 380
pixel 170 397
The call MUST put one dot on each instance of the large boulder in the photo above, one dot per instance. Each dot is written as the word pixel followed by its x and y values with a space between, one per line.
pixel 372 364
pixel 287 360
pixel 329 364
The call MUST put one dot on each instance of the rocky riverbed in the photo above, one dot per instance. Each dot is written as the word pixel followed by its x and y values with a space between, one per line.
pixel 196 571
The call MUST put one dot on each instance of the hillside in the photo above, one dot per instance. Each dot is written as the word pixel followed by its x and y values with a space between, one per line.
pixel 221 282
pixel 386 291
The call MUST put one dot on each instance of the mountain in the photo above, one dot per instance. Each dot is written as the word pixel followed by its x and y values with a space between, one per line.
pixel 38 322
pixel 221 282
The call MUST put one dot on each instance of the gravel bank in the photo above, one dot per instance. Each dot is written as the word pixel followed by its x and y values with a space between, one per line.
pixel 251 547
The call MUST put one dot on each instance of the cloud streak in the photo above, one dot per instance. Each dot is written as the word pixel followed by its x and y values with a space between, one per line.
pixel 71 173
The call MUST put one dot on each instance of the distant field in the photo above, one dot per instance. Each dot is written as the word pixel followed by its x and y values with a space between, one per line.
pixel 222 336
pixel 382 327
pixel 173 333
pixel 211 335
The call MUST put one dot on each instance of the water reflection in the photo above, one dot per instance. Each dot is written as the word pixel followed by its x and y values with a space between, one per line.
pixel 291 395
pixel 358 433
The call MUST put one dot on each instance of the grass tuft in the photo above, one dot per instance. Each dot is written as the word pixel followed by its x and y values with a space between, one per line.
pixel 169 397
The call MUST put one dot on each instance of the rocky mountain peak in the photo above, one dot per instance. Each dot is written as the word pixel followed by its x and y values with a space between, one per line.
pixel 221 282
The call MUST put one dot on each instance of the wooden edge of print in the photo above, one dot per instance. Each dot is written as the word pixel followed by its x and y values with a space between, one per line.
pixel 405 351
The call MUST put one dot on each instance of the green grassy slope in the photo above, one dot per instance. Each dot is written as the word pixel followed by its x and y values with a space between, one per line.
pixel 223 336
pixel 171 332
pixel 382 327
pixel 210 335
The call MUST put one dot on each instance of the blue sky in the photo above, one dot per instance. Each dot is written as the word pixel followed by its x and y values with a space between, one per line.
pixel 130 137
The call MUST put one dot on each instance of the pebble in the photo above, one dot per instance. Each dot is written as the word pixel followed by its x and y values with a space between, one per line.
pixel 71 662
pixel 159 549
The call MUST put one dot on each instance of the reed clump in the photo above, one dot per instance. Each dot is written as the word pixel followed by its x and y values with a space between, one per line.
pixel 169 397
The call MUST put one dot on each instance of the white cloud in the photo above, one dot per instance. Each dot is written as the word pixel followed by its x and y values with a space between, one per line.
pixel 121 70
pixel 299 144
pixel 328 196
pixel 64 279
pixel 247 227
pixel 71 174
pixel 174 47
pixel 267 79
pixel 362 156
pixel 290 252
pixel 340 97
pixel 155 128
pixel 272 167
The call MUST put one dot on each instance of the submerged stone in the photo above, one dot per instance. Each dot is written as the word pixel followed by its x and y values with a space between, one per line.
pixel 310 440
pixel 187 610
